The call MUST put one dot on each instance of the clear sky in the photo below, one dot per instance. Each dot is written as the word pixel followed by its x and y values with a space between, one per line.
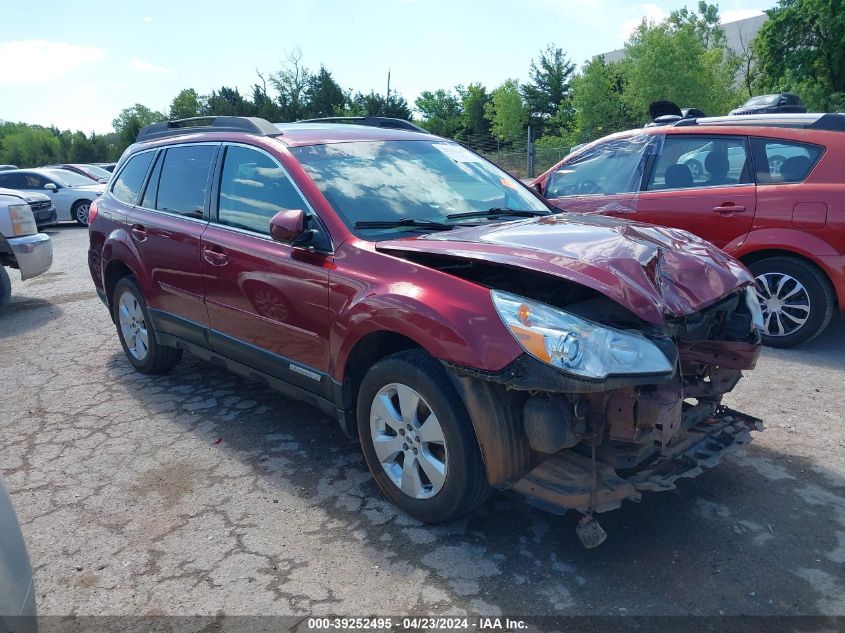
pixel 76 64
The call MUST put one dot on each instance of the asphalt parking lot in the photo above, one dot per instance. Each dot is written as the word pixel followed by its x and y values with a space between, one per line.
pixel 202 493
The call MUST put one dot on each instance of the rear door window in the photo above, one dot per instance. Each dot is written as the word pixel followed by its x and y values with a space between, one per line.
pixel 612 167
pixel 13 181
pixel 127 186
pixel 254 188
pixel 686 162
pixel 780 161
pixel 184 179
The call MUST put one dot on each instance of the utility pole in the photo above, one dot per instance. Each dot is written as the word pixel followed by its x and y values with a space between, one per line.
pixel 388 87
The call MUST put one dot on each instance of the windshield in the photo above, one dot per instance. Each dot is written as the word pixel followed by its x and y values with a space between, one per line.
pixel 763 100
pixel 96 172
pixel 68 178
pixel 388 181
pixel 612 167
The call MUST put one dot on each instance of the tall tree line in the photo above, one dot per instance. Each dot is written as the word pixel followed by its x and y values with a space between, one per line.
pixel 683 58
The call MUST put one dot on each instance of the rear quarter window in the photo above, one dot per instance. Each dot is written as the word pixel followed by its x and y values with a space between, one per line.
pixel 127 186
pixel 779 161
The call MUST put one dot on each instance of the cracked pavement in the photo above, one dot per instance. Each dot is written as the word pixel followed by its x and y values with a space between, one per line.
pixel 201 493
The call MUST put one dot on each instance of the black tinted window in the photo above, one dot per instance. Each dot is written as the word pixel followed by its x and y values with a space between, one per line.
pixel 184 179
pixel 128 184
pixel 12 181
pixel 253 188
pixel 779 161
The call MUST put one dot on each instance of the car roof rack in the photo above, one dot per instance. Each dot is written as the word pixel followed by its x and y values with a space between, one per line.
pixel 371 121
pixel 831 121
pixel 177 127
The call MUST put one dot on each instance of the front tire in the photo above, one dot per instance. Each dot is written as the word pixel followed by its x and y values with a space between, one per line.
pixel 418 440
pixel 135 333
pixel 5 287
pixel 79 211
pixel 796 298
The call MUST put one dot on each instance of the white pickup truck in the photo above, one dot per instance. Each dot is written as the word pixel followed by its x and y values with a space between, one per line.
pixel 21 245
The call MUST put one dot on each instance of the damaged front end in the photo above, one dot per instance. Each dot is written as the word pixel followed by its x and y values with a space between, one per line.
pixel 587 442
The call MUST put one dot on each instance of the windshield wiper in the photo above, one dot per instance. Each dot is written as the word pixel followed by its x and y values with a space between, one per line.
pixel 519 213
pixel 404 222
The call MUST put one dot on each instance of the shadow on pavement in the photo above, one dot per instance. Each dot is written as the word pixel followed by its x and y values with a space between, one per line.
pixel 763 533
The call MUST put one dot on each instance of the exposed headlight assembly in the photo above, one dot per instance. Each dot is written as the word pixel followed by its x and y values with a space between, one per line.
pixel 23 222
pixel 575 345
pixel 753 303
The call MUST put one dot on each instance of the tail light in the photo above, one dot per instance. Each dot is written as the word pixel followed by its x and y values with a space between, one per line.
pixel 93 208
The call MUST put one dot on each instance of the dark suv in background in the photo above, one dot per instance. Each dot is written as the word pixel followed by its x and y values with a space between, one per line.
pixel 469 337
pixel 771 104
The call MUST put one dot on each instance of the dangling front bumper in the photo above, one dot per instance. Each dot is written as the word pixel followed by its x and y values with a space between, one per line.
pixel 563 482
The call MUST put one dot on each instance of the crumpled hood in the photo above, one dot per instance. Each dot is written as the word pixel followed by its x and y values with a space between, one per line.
pixel 652 271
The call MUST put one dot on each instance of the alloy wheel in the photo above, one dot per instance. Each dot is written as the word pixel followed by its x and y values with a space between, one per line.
pixel 82 212
pixel 785 303
pixel 408 441
pixel 133 326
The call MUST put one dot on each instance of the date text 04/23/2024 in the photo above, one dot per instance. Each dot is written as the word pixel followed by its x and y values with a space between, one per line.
pixel 417 623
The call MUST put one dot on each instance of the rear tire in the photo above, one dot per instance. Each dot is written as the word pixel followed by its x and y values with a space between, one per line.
pixel 797 300
pixel 136 335
pixel 79 211
pixel 5 287
pixel 448 449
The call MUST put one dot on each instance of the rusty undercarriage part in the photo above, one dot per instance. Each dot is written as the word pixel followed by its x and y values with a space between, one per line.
pixel 563 482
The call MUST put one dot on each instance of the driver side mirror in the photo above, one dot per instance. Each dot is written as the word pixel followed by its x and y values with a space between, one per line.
pixel 286 226
pixel 51 187
pixel 538 187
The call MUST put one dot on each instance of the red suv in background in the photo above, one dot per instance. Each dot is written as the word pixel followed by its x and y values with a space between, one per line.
pixel 768 189
pixel 469 337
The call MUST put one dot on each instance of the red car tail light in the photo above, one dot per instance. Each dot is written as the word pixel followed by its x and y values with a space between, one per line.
pixel 92 211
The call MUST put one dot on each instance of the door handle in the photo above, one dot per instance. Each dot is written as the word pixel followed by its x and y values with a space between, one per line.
pixel 139 232
pixel 215 255
pixel 728 207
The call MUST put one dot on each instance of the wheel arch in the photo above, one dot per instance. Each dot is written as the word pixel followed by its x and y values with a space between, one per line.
pixel 753 257
pixel 366 352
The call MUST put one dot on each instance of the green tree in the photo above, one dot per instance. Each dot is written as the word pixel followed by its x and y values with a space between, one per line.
pixel 682 59
pixel 506 112
pixel 375 104
pixel 130 121
pixel 291 84
pixel 801 48
pixel 547 92
pixel 474 99
pixel 263 104
pixel 228 102
pixel 187 104
pixel 323 95
pixel 441 111
pixel 598 98
pixel 28 145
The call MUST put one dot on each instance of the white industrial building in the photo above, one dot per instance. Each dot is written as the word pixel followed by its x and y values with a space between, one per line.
pixel 739 36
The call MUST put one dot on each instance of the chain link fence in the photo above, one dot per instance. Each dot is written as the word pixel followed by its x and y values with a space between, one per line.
pixel 518 155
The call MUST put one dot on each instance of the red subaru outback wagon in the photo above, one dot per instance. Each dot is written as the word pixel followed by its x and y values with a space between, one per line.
pixel 768 189
pixel 469 337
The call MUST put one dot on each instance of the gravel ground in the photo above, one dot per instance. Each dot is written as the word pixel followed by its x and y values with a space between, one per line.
pixel 202 493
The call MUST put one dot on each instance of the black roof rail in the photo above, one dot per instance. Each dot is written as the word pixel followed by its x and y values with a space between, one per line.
pixel 832 121
pixel 176 127
pixel 371 121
